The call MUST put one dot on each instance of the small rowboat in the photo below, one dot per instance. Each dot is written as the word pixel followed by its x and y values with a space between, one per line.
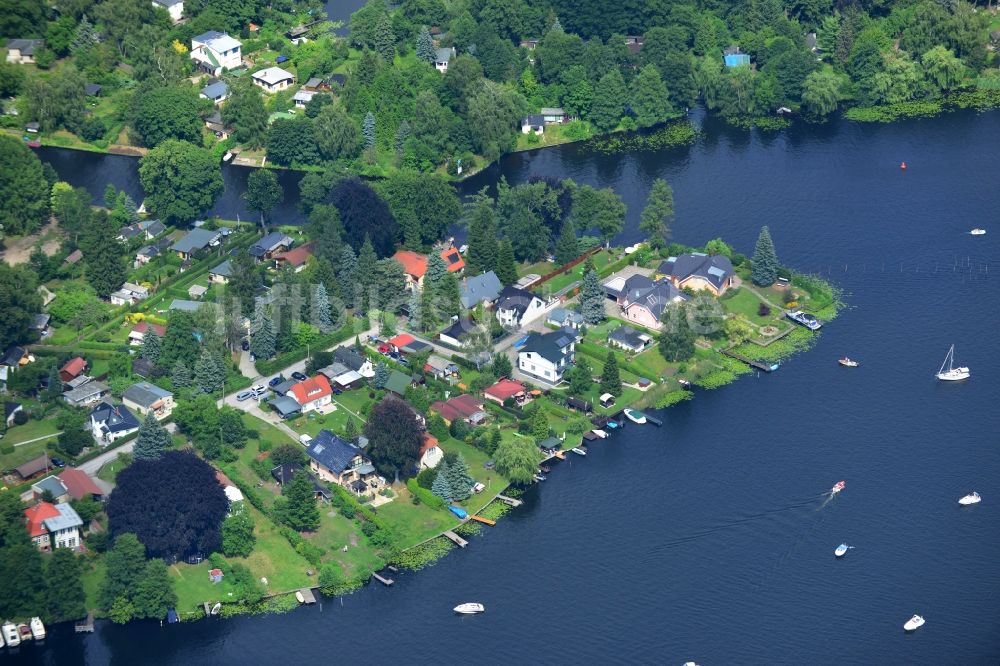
pixel 579 451
pixel 913 623
pixel 848 363
pixel 298 597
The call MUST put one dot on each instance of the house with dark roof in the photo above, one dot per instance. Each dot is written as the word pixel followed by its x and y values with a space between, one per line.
pixel 142 367
pixel 484 288
pixel 533 122
pixel 285 406
pixel 221 273
pixel 353 360
pixel 398 382
pixel 144 397
pixel 14 357
pixel 699 271
pixel 628 339
pixel 547 356
pixel 40 323
pixel 40 464
pixel 215 125
pixel 23 51
pixel 51 485
pixel 646 306
pixel 565 318
pixel 270 244
pixel 195 241
pixel 339 461
pixel 92 90
pixel 457 335
pixel 110 422
pixel 516 307
pixel 9 410
pixel 53 526
pixel 216 90
pixel 283 474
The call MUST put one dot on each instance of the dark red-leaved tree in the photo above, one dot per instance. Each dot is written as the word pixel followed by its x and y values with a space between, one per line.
pixel 362 211
pixel 174 505
pixel 393 437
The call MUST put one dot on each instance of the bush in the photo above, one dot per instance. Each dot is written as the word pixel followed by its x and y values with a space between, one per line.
pixel 788 296
pixel 426 478
pixel 763 310
pixel 459 429
pixel 21 417
pixel 93 129
pixel 425 496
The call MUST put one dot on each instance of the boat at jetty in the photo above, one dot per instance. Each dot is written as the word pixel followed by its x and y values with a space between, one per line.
pixel 914 623
pixel 578 451
pixel 603 434
pixel 469 608
pixel 24 631
pixel 228 156
pixel 635 416
pixel 37 628
pixel 10 635
pixel 848 363
pixel 540 477
pixel 837 487
pixel 842 550
pixel 804 319
pixel 952 374
pixel 971 498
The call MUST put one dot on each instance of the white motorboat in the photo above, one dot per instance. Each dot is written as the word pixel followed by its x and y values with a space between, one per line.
pixel 914 623
pixel 578 451
pixel 540 477
pixel 37 628
pixel 842 550
pixel 978 232
pixel 10 635
pixel 848 363
pixel 971 498
pixel 469 608
pixel 837 487
pixel 603 434
pixel 635 416
pixel 952 374
pixel 228 156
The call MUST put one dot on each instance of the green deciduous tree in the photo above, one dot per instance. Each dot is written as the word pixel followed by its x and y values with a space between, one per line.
pixel 181 180
pixel 611 381
pixel 943 68
pixel 238 539
pixel 263 193
pixel 598 209
pixel 609 101
pixel 153 440
pixel 336 134
pixel 19 302
pixel 301 512
pixel 821 92
pixel 23 188
pixel 649 98
pixel 126 561
pixel 493 117
pixel 517 459
pixel 244 111
pixel 64 595
pixel 292 141
pixel 658 214
pixel 765 260
pixel 171 112
pixel 154 591
pixel 424 205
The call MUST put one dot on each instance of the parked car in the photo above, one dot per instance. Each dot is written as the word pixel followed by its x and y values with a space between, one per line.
pixel 58 462
pixel 245 345
pixel 384 349
pixel 298 376
pixel 259 389
pixel 275 381
pixel 244 395
pixel 336 391
pixel 305 439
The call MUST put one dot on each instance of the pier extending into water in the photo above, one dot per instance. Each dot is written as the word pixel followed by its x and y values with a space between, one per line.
pixel 457 540
pixel 759 365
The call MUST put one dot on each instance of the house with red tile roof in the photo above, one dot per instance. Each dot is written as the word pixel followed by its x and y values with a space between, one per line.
pixel 399 342
pixel 72 369
pixel 296 258
pixel 53 526
pixel 431 454
pixel 138 332
pixel 503 389
pixel 312 394
pixel 80 485
pixel 460 408
pixel 415 265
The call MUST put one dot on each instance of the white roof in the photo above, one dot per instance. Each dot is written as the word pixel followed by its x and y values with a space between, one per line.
pixel 347 378
pixel 233 494
pixel 218 41
pixel 272 75
pixel 304 95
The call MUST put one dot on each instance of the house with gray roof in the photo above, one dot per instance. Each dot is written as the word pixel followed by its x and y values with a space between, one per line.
pixel 646 306
pixel 221 273
pixel 339 461
pixel 270 244
pixel 216 52
pixel 629 339
pixel 182 304
pixel 109 422
pixel 484 288
pixel 547 356
pixel 144 397
pixel 195 241
pixel 23 51
pixel 216 90
pixel 442 57
pixel 457 335
pixel 353 360
pixel 517 307
pixel 273 79
pixel 54 486
pixel 87 394
pixel 699 271
pixel 564 317
pixel 285 406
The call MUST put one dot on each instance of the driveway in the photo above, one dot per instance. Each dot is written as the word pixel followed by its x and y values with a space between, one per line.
pixel 94 465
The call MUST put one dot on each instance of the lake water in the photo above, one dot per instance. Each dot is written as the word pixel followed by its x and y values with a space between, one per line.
pixel 708 539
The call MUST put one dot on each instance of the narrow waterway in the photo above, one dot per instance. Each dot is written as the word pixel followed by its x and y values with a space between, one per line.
pixel 708 539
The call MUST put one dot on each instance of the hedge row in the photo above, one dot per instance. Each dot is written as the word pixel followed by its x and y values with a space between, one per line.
pixel 425 496
pixel 286 359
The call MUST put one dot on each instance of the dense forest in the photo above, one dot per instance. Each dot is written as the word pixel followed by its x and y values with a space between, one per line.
pixel 620 65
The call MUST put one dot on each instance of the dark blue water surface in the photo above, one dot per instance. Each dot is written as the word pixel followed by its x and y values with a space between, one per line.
pixel 708 539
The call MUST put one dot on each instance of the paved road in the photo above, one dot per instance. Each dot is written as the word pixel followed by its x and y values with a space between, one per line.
pixel 95 464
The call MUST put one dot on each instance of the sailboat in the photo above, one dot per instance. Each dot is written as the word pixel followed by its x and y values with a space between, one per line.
pixel 952 374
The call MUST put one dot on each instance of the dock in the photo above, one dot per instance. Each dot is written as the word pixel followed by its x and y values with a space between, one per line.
pixel 484 521
pixel 382 579
pixel 458 541
pixel 85 626
pixel 765 367
pixel 589 436
pixel 307 596
pixel 510 501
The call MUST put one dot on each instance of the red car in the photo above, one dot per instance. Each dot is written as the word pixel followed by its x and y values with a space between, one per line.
pixel 384 349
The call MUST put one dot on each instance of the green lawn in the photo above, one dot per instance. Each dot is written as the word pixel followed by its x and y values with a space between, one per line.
pixel 30 430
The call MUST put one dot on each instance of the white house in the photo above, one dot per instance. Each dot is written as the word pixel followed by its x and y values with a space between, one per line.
pixel 431 454
pixel 273 79
pixel 216 52
pixel 312 394
pixel 110 422
pixel 129 294
pixel 53 526
pixel 547 355
pixel 174 7
pixel 442 58
pixel 517 307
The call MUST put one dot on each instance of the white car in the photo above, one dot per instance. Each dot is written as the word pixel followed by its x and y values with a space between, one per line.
pixel 305 439
pixel 259 389
pixel 244 395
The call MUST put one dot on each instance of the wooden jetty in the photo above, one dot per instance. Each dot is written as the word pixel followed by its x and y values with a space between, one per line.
pixel 307 596
pixel 484 521
pixel 85 626
pixel 392 569
pixel 382 579
pixel 758 365
pixel 558 454
pixel 459 541
pixel 509 501
pixel 590 436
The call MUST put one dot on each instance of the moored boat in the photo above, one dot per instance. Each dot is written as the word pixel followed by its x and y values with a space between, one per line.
pixel 24 632
pixel 469 608
pixel 952 374
pixel 635 416
pixel 578 451
pixel 848 363
pixel 10 635
pixel 971 498
pixel 914 623
pixel 228 156
pixel 540 477
pixel 804 319
pixel 300 597
pixel 603 434
pixel 37 628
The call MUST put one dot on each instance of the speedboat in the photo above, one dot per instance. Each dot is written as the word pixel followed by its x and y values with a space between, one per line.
pixel 848 363
pixel 952 374
pixel 469 608
pixel 635 416
pixel 37 628
pixel 978 232
pixel 805 319
pixel 10 635
pixel 914 623
pixel 603 434
pixel 614 425
pixel 837 487
pixel 842 550
pixel 24 631
pixel 228 156
pixel 540 477
pixel 578 451
pixel 971 498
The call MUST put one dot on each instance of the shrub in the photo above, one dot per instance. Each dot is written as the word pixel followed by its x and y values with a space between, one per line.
pixel 426 478
pixel 425 496
pixel 21 417
pixel 763 310
pixel 459 429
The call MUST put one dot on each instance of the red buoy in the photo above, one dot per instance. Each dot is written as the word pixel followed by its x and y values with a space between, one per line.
pixel 902 165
